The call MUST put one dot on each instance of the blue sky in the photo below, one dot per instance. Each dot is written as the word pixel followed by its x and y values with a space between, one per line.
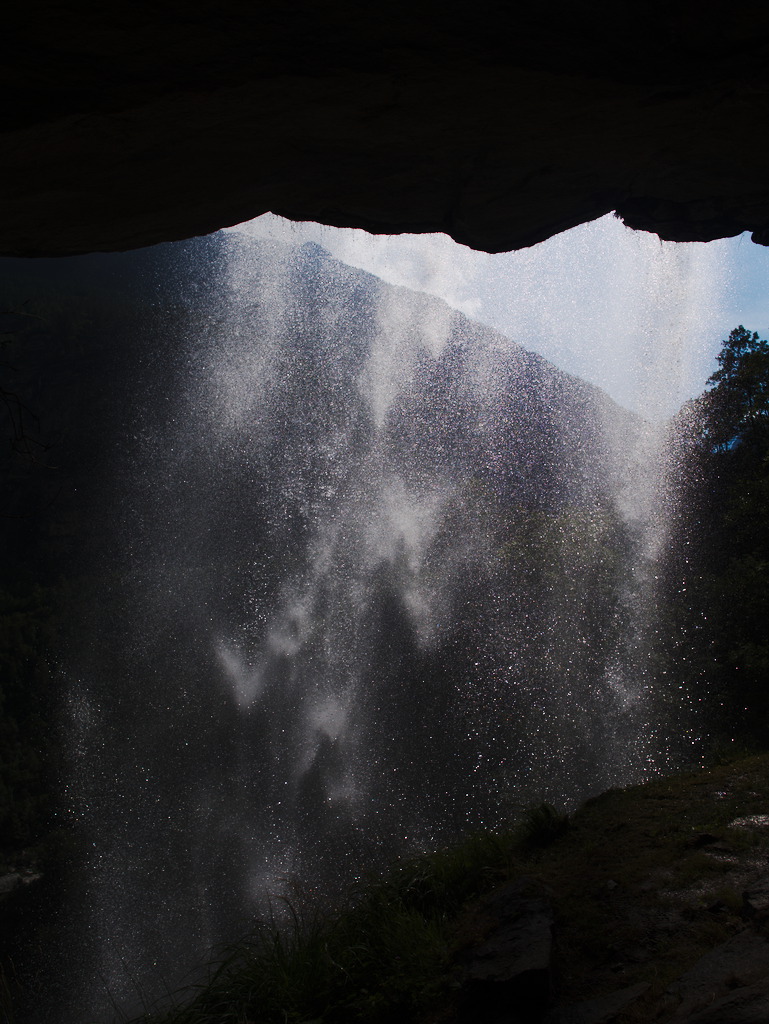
pixel 643 319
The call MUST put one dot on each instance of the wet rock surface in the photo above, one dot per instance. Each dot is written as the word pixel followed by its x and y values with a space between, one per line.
pixel 657 902
pixel 737 963
pixel 755 899
pixel 743 1006
pixel 126 128
pixel 507 977
pixel 596 1011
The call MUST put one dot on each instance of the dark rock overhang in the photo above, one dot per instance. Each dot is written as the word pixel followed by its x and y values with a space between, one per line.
pixel 126 126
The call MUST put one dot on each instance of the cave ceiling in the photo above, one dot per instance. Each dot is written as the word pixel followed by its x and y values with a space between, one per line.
pixel 495 123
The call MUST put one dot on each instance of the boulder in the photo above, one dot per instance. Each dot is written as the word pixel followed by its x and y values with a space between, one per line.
pixel 755 899
pixel 749 1005
pixel 599 1010
pixel 737 963
pixel 506 979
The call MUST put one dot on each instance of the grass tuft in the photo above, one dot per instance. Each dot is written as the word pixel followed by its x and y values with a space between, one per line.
pixel 383 958
pixel 542 825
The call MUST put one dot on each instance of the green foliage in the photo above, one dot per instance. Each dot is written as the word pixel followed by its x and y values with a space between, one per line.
pixel 723 560
pixel 740 395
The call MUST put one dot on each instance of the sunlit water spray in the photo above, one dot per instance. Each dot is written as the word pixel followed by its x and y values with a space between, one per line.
pixel 639 317
pixel 391 574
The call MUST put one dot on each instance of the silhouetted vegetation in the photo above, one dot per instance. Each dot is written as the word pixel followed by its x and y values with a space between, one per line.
pixel 385 956
pixel 719 599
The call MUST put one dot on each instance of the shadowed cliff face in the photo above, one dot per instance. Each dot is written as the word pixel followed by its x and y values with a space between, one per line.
pixel 126 126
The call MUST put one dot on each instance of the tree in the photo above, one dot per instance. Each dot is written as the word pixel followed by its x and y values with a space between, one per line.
pixel 717 571
pixel 737 481
pixel 738 402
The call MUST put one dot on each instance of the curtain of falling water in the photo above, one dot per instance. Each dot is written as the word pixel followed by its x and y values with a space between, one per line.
pixel 385 575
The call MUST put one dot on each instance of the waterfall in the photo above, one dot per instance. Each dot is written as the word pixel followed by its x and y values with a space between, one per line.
pixel 377 574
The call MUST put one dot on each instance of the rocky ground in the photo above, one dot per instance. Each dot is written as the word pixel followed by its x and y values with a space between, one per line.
pixel 654 906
